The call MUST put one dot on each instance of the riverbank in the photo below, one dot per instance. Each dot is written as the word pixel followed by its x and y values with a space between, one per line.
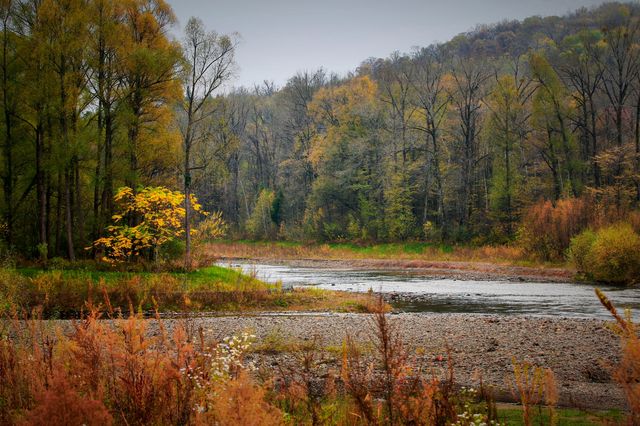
pixel 480 271
pixel 579 352
pixel 439 261
pixel 68 293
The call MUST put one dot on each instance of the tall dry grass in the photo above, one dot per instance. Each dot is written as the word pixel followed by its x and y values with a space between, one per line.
pixel 117 370
pixel 383 383
pixel 531 386
pixel 120 372
pixel 627 372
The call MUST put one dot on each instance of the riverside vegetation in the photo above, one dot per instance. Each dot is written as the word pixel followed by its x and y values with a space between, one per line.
pixel 118 372
pixel 65 293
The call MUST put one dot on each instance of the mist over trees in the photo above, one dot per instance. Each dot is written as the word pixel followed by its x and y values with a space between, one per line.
pixel 453 141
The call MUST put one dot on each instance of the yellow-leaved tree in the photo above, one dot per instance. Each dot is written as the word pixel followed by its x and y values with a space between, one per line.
pixel 145 220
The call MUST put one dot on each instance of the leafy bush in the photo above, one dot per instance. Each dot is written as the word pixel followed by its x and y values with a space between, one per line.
pixel 212 228
pixel 612 254
pixel 172 249
pixel 581 247
pixel 260 224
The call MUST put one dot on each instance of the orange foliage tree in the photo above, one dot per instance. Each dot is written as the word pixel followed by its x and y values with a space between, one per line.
pixel 547 228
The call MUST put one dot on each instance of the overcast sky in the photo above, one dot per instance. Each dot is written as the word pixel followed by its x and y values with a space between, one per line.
pixel 281 37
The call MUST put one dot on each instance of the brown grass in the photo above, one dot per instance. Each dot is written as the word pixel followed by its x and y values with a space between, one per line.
pixel 502 254
pixel 118 372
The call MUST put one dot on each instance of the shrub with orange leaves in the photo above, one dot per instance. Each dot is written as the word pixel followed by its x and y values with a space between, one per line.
pixel 547 229
pixel 61 404
pixel 119 371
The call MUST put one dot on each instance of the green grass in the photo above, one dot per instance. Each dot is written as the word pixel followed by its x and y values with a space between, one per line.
pixel 380 249
pixel 387 249
pixel 212 275
pixel 565 416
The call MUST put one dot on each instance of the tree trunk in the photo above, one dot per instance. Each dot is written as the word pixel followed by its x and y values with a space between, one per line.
pixel 69 217
pixel 58 247
pixel 107 188
pixel 8 142
pixel 637 141
pixel 507 159
pixel 439 187
pixel 132 135
pixel 594 144
pixel 427 181
pixel 187 207
pixel 95 229
pixel 78 214
pixel 8 175
pixel 41 194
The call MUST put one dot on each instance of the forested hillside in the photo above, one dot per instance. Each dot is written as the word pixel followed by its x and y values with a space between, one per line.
pixel 459 141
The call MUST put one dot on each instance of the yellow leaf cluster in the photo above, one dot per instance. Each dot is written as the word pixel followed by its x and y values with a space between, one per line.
pixel 146 219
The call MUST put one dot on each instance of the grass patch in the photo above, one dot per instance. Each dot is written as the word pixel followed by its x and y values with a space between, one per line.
pixel 512 415
pixel 509 255
pixel 66 293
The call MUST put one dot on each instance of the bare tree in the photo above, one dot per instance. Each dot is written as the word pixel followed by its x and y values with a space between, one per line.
pixel 580 70
pixel 395 86
pixel 469 78
pixel 208 63
pixel 431 100
pixel 620 66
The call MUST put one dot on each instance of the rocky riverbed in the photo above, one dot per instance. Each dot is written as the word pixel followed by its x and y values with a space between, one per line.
pixel 580 352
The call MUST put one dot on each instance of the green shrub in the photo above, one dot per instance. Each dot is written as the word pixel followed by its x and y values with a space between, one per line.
pixel 173 249
pixel 260 224
pixel 612 254
pixel 580 248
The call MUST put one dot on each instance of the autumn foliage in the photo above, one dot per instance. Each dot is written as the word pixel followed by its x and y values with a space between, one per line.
pixel 627 372
pixel 146 219
pixel 100 373
pixel 134 371
pixel 547 228
pixel 611 254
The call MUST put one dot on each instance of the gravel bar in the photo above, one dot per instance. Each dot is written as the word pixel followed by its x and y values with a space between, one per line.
pixel 581 352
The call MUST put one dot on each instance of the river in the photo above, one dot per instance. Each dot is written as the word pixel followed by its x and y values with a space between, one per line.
pixel 412 292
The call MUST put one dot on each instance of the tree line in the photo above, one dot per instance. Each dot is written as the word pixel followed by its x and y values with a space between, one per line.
pixel 97 95
pixel 453 141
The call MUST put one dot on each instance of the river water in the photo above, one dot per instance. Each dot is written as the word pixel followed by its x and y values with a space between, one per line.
pixel 416 293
